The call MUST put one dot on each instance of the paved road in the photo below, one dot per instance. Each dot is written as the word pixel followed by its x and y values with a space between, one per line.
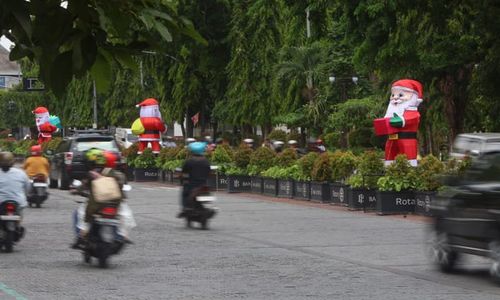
pixel 256 249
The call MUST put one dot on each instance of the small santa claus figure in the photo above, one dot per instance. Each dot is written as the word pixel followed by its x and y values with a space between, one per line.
pixel 149 126
pixel 45 128
pixel 400 123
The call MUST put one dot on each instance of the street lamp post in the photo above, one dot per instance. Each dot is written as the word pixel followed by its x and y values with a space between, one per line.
pixel 353 79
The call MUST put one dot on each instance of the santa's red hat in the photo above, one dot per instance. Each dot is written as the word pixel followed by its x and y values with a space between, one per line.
pixel 40 110
pixel 410 85
pixel 148 102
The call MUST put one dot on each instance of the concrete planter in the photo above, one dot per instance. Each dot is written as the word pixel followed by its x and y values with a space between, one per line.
pixel 395 202
pixel 168 176
pixel 257 185
pixel 285 188
pixel 239 183
pixel 423 203
pixel 361 198
pixel 320 192
pixel 339 193
pixel 270 186
pixel 149 174
pixel 302 190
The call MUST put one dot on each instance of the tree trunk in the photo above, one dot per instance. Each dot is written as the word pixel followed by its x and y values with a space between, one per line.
pixel 454 86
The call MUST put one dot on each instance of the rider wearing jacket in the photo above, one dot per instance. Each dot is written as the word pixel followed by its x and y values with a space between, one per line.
pixel 36 163
pixel 14 184
pixel 197 169
pixel 100 163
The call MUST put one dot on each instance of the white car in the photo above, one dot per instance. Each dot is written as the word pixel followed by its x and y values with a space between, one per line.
pixel 475 144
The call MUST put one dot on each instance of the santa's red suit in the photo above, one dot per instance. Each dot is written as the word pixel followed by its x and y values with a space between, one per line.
pixel 45 129
pixel 401 121
pixel 152 122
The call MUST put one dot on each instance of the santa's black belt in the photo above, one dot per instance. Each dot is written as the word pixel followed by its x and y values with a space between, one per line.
pixel 402 136
pixel 151 132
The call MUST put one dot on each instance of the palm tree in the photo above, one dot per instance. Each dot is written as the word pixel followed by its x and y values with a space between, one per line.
pixel 295 79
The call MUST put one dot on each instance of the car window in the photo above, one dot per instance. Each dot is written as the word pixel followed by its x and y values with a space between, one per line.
pixel 132 138
pixel 492 146
pixel 109 145
pixel 464 145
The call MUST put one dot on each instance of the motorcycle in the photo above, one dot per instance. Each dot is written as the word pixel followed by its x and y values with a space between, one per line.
pixel 38 192
pixel 10 230
pixel 103 239
pixel 203 208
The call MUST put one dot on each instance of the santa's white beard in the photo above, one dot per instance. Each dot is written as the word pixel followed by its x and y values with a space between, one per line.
pixel 399 106
pixel 41 119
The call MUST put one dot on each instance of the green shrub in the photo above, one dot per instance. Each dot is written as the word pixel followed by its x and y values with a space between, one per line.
pixel 131 154
pixel 277 172
pixel 262 159
pixel 182 154
pixel 167 154
pixel 242 156
pixel 171 165
pixel 322 168
pixel 399 176
pixel 51 145
pixel 278 135
pixel 457 167
pixel 360 137
pixel 221 156
pixel 306 164
pixel 234 170
pixel 343 165
pixel 428 172
pixel 145 160
pixel 333 140
pixel 370 169
pixel 286 158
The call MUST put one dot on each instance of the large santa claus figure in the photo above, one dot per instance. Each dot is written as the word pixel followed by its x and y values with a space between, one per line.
pixel 149 126
pixel 400 123
pixel 45 128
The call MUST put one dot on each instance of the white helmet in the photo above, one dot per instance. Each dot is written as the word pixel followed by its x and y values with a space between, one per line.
pixel 292 142
pixel 248 141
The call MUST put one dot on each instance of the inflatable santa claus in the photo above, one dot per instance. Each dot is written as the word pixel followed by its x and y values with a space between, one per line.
pixel 149 126
pixel 45 128
pixel 400 123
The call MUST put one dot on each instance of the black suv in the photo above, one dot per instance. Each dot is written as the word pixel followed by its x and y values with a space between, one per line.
pixel 467 216
pixel 67 162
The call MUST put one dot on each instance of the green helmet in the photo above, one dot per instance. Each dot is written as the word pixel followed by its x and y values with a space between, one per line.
pixel 95 156
pixel 6 159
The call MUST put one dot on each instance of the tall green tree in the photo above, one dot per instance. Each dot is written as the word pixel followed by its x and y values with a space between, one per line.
pixel 255 41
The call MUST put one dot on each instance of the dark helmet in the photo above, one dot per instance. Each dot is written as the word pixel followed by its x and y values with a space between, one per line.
pixel 6 159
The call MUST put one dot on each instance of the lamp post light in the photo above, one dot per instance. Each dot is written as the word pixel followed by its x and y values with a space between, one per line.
pixel 344 81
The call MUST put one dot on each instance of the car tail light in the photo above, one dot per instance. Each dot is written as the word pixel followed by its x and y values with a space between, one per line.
pixel 10 208
pixel 109 211
pixel 68 158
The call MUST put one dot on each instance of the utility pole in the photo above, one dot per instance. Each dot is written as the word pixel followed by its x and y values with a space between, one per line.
pixel 95 106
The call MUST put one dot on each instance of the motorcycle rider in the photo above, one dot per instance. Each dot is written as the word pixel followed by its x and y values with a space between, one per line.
pixel 14 184
pixel 36 163
pixel 197 169
pixel 100 163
